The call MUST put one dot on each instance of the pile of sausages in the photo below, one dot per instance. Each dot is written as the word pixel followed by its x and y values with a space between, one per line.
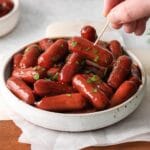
pixel 5 7
pixel 74 75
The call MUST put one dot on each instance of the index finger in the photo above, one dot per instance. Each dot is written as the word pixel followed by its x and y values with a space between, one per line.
pixel 109 4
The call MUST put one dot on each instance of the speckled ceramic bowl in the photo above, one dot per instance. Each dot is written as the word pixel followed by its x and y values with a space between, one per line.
pixel 69 122
pixel 10 20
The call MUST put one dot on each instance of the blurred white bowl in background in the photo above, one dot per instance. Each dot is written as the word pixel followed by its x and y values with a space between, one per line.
pixel 10 20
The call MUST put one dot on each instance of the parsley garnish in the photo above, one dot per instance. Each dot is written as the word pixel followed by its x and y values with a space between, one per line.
pixel 74 43
pixel 87 49
pixel 96 59
pixel 36 76
pixel 55 77
pixel 92 79
pixel 95 90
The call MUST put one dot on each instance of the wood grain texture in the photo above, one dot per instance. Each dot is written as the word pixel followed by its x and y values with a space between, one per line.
pixel 9 134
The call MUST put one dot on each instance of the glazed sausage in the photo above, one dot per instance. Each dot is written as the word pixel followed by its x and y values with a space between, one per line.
pixel 97 98
pixel 105 88
pixel 20 89
pixel 115 48
pixel 70 68
pixel 30 56
pixel 45 43
pixel 92 67
pixel 62 103
pixel 16 60
pixel 53 54
pixel 89 33
pixel 120 71
pixel 136 80
pixel 125 91
pixel 86 49
pixel 44 87
pixel 29 75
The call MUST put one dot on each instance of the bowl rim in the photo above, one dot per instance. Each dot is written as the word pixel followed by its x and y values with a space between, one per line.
pixel 7 59
pixel 15 8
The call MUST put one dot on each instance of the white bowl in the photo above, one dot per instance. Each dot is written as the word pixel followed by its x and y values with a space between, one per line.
pixel 10 20
pixel 69 122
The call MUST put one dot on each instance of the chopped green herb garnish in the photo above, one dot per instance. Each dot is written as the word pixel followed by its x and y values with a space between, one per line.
pixel 96 59
pixel 69 94
pixel 74 43
pixel 27 49
pixel 87 49
pixel 95 90
pixel 36 76
pixel 95 51
pixel 92 79
pixel 55 77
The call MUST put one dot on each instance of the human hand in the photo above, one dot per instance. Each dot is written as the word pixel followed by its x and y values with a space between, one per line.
pixel 131 14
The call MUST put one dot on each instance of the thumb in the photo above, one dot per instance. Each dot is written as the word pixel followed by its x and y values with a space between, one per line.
pixel 129 10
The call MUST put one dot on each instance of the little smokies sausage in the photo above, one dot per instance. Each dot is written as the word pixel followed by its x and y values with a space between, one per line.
pixel 30 56
pixel 70 68
pixel 53 54
pixel 16 60
pixel 136 80
pixel 125 91
pixel 98 99
pixel 44 87
pixel 105 88
pixel 92 52
pixel 92 67
pixel 45 43
pixel 29 75
pixel 89 33
pixel 62 103
pixel 120 71
pixel 115 48
pixel 21 90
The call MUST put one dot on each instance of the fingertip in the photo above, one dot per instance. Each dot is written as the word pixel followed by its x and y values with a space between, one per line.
pixel 141 26
pixel 130 27
pixel 116 26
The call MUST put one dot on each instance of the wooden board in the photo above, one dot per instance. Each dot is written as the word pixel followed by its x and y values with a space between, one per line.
pixel 9 134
